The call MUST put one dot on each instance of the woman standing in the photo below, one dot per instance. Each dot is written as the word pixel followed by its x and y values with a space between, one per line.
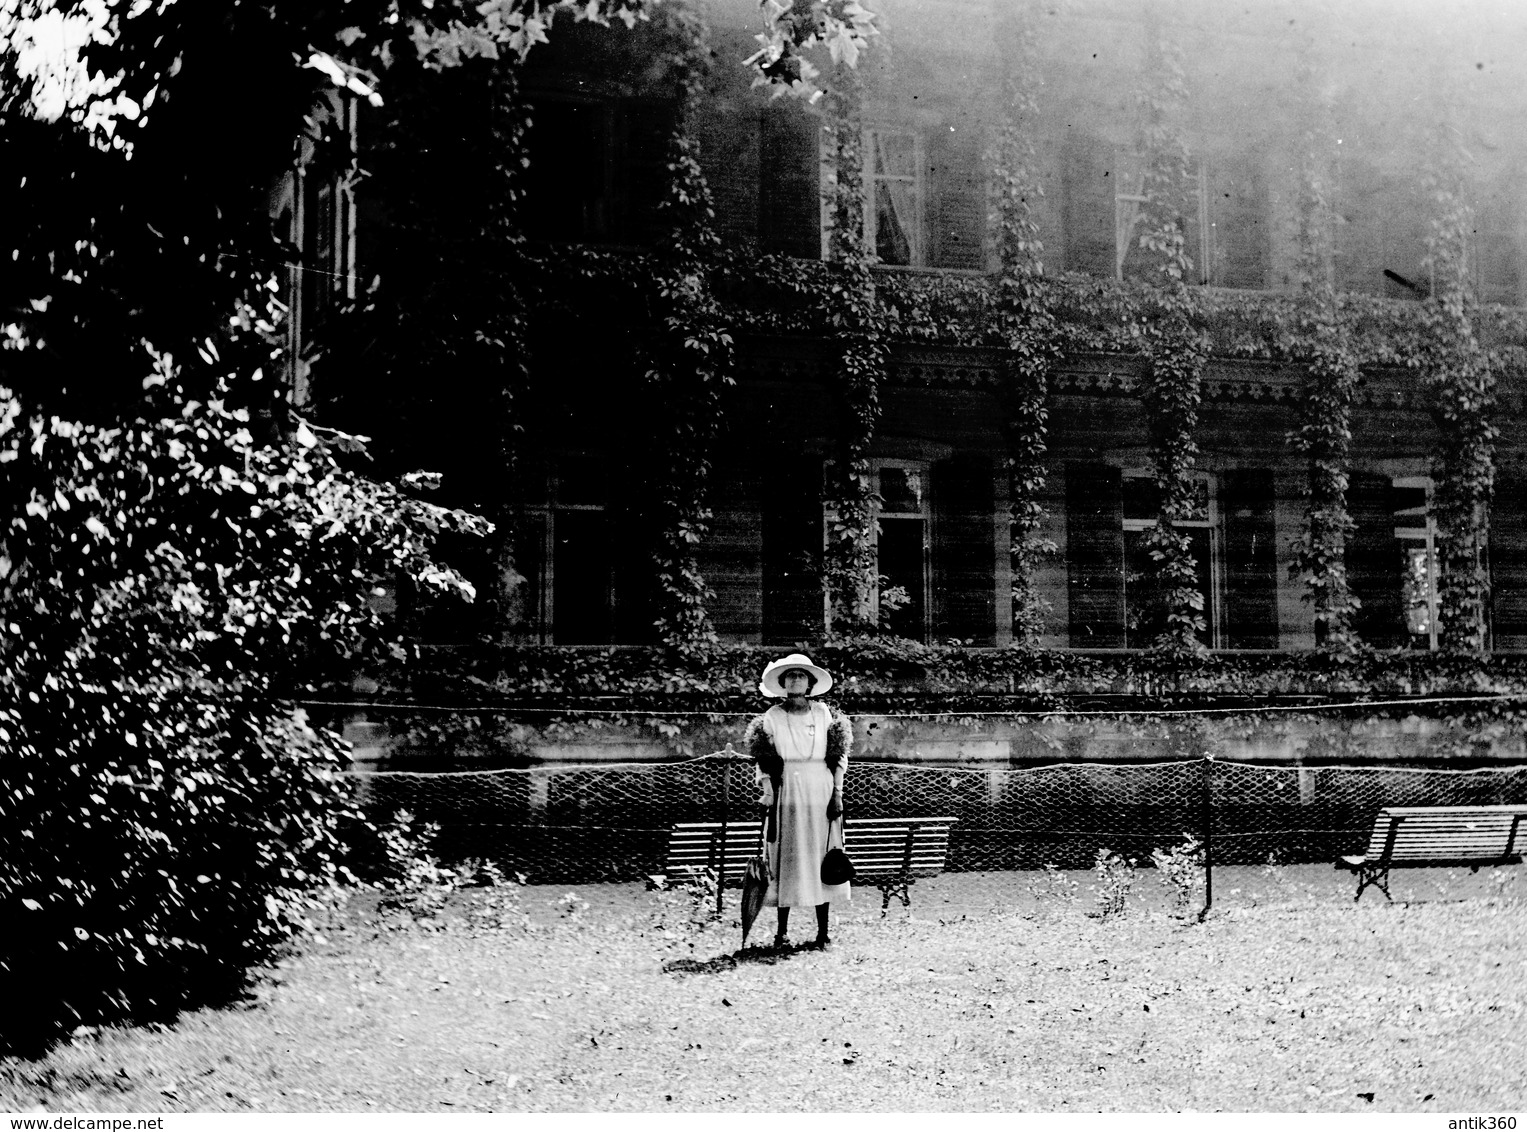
pixel 801 752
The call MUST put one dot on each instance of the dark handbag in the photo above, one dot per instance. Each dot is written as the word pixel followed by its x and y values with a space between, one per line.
pixel 837 866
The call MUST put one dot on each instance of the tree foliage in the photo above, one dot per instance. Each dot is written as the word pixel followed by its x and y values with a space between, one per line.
pixel 168 585
pixel 181 558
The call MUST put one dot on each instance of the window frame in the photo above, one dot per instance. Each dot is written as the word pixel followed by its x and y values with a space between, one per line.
pixel 921 468
pixel 316 283
pixel 1126 230
pixel 617 223
pixel 918 179
pixel 1409 536
pixel 542 620
pixel 1214 599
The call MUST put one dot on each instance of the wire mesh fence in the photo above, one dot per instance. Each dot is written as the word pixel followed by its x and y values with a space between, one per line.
pixel 611 822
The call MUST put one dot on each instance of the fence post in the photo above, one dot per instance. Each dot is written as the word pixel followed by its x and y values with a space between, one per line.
pixel 726 806
pixel 1207 818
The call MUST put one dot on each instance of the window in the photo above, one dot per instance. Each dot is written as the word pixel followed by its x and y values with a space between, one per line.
pixel 1417 536
pixel 789 195
pixel 1223 216
pixel 1129 215
pixel 1382 230
pixel 1493 258
pixel 597 171
pixel 564 553
pixel 1143 613
pixel 315 206
pixel 894 191
pixel 901 544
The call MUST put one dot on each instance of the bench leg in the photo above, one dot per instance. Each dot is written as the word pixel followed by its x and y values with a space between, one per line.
pixel 1377 877
pixel 898 888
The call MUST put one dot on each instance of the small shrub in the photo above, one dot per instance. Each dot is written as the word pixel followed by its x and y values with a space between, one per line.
pixel 686 901
pixel 701 888
pixel 1272 869
pixel 1181 869
pixel 1054 887
pixel 417 886
pixel 1116 877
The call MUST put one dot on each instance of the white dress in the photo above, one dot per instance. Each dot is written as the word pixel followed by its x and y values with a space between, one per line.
pixel 806 785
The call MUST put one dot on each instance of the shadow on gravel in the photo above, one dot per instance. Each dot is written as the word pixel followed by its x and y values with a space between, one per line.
pixel 752 955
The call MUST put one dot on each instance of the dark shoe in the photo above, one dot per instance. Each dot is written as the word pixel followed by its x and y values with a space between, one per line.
pixel 780 943
pixel 821 943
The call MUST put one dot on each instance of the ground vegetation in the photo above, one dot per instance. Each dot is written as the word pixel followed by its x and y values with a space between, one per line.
pixel 990 994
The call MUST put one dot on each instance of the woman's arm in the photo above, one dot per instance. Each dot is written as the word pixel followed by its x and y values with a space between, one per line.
pixel 767 765
pixel 760 746
pixel 840 737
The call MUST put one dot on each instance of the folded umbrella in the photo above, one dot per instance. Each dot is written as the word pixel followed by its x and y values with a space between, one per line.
pixel 755 880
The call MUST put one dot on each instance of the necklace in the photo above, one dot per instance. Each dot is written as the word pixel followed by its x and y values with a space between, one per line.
pixel 810 730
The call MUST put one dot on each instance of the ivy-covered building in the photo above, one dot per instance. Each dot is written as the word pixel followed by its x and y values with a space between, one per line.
pixel 1089 326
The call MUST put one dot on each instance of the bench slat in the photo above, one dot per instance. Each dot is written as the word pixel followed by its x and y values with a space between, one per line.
pixel 1417 836
pixel 1503 808
pixel 878 846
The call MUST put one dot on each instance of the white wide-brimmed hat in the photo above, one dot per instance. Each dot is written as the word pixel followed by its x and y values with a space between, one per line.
pixel 769 685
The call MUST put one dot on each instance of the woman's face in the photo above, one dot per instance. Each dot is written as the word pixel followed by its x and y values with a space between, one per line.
pixel 795 682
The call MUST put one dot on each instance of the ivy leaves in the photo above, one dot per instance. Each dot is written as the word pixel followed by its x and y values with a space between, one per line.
pixel 850 570
pixel 1026 324
pixel 1169 331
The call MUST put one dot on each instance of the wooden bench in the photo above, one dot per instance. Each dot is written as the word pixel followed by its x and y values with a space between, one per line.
pixel 888 853
pixel 1422 836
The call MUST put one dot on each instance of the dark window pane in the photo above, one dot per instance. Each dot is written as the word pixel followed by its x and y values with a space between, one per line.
pixel 789 204
pixel 1142 498
pixel 1409 501
pixel 901 562
pixel 318 258
pixel 530 562
pixel 581 480
pixel 1094 556
pixel 580 578
pixel 649 128
pixel 567 181
pixel 901 489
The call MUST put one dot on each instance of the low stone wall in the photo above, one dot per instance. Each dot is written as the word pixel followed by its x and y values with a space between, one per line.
pixel 1275 738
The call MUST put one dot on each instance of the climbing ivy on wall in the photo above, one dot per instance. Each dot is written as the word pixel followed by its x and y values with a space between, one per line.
pixel 690 355
pixel 505 334
pixel 857 600
pixel 1174 349
pixel 1463 387
pixel 1025 325
pixel 1321 337
pixel 698 292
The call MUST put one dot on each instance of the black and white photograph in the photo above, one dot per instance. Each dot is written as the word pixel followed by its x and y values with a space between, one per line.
pixel 851 558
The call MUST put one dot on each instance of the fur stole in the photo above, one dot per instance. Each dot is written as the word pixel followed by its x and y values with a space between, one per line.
pixel 840 737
